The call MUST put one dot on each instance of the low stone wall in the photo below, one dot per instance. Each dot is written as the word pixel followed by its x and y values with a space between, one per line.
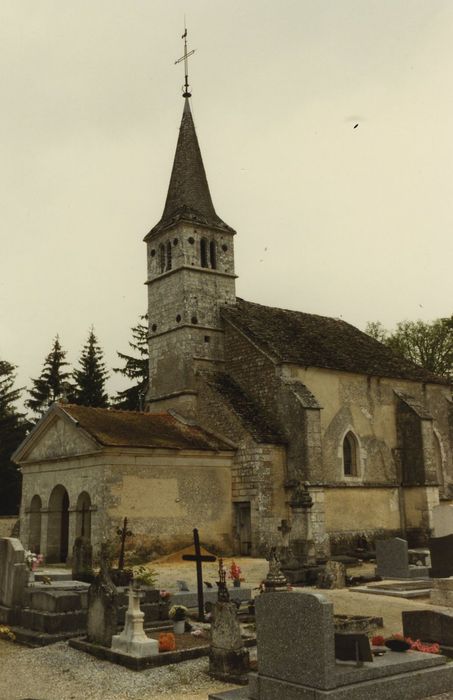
pixel 7 522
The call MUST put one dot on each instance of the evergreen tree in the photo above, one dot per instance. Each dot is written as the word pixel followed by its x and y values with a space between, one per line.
pixel 135 368
pixel 13 429
pixel 53 382
pixel 89 389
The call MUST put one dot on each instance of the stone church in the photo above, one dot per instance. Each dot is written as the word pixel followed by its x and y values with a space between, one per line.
pixel 247 406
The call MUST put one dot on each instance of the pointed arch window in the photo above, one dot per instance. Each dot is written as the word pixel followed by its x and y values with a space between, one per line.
pixel 350 455
pixel 162 257
pixel 213 255
pixel 168 255
pixel 204 252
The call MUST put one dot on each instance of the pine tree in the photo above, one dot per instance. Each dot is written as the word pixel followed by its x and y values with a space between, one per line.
pixel 13 429
pixel 53 382
pixel 135 368
pixel 89 389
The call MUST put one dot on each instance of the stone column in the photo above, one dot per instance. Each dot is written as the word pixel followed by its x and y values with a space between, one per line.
pixel 44 531
pixel 72 510
pixel 302 543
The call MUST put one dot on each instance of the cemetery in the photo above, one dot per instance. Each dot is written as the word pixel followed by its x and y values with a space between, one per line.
pixel 251 636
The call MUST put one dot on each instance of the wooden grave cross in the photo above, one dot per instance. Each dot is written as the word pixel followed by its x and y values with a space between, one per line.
pixel 199 558
pixel 123 532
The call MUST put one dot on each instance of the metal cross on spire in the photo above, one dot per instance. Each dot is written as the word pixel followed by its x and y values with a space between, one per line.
pixel 184 58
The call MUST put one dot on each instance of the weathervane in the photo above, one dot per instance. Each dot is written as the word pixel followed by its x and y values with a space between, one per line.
pixel 184 58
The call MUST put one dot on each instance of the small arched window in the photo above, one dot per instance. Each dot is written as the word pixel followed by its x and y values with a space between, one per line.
pixel 204 252
pixel 162 257
pixel 168 255
pixel 213 255
pixel 350 459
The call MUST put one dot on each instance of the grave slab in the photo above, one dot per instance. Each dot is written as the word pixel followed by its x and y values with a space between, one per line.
pixel 392 561
pixel 295 666
pixel 190 598
pixel 402 589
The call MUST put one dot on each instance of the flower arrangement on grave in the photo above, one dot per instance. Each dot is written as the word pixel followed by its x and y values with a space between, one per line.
pixel 177 613
pixel 147 577
pixel 235 572
pixel 167 641
pixel 6 633
pixel 165 595
pixel 378 640
pixel 399 643
pixel 33 560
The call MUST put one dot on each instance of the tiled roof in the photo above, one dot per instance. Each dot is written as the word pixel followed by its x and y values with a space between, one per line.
pixel 188 197
pixel 320 341
pixel 244 407
pixel 133 429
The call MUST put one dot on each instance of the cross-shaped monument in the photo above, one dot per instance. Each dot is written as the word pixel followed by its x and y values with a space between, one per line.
pixel 199 558
pixel 123 532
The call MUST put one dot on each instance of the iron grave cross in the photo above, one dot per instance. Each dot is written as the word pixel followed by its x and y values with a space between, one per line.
pixel 198 557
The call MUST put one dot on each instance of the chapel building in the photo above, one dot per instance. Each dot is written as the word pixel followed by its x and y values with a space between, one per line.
pixel 245 404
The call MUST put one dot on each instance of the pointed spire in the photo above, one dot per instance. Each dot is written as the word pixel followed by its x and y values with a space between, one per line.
pixel 188 197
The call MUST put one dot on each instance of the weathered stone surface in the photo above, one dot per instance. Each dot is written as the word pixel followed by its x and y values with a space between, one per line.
pixel 13 572
pixel 392 558
pixel 102 607
pixel 441 549
pixel 228 659
pixel 333 576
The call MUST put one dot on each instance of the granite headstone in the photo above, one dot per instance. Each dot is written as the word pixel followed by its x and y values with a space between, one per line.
pixel 441 549
pixel 102 605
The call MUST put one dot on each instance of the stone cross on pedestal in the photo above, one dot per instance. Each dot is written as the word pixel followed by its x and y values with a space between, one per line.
pixel 133 640
pixel 199 558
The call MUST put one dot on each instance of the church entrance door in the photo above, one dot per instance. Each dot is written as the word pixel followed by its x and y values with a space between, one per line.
pixel 244 528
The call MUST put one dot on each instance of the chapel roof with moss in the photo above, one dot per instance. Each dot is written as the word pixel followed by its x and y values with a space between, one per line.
pixel 320 341
pixel 166 430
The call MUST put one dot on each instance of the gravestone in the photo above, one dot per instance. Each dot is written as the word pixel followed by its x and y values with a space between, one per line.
pixel 228 659
pixel 82 560
pixel 442 520
pixel 14 572
pixel 296 659
pixel 102 605
pixel 182 585
pixel 441 549
pixel 429 626
pixel 333 576
pixel 133 640
pixel 392 559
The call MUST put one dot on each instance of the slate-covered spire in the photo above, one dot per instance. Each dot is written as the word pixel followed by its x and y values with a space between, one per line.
pixel 188 197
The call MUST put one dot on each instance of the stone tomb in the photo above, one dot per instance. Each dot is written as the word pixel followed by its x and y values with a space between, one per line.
pixel 441 549
pixel 392 559
pixel 430 626
pixel 296 659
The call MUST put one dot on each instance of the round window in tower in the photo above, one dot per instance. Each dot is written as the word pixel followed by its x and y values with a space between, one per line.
pixel 152 253
pixel 224 247
pixel 191 240
pixel 154 328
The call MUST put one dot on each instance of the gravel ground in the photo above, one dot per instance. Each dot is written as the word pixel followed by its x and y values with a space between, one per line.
pixel 58 672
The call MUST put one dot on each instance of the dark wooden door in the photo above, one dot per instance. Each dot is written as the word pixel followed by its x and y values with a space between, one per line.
pixel 244 528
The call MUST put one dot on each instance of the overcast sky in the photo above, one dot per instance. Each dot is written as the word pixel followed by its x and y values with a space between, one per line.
pixel 335 220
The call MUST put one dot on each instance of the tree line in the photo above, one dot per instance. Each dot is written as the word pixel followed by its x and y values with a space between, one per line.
pixel 83 385
pixel 427 344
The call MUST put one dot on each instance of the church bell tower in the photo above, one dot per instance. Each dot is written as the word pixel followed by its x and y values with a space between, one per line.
pixel 190 277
